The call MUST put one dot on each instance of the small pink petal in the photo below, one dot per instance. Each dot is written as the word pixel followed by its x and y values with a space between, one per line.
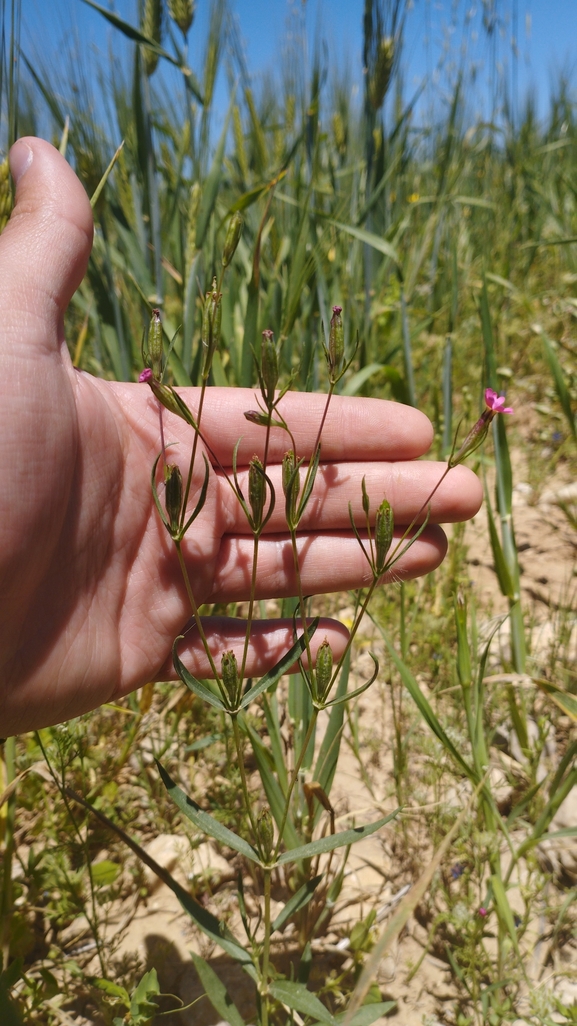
pixel 145 375
pixel 496 402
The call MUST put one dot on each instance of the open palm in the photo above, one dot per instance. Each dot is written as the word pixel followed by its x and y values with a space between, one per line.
pixel 91 594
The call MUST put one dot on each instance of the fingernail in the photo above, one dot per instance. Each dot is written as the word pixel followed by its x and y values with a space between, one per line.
pixel 20 159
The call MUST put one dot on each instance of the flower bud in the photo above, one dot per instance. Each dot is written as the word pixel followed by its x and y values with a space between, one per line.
pixel 229 673
pixel 155 344
pixel 173 495
pixel 256 490
pixel 290 486
pixel 265 831
pixel 211 318
pixel 269 364
pixel 324 669
pixel 336 342
pixel 262 419
pixel 167 396
pixel 232 238
pixel 474 439
pixel 384 524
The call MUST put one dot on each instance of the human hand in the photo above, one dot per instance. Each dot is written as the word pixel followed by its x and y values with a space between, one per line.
pixel 91 595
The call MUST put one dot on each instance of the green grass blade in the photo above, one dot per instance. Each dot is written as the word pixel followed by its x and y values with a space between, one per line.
pixel 425 709
pixel 369 238
pixel 298 901
pixel 561 389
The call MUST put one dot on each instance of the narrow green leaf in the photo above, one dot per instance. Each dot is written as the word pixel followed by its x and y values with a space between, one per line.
pixel 203 820
pixel 298 901
pixel 561 389
pixel 281 667
pixel 369 238
pixel 104 873
pixel 424 707
pixel 136 36
pixel 273 791
pixel 501 568
pixel 357 381
pixel 368 1014
pixel 327 758
pixel 216 992
pixel 192 683
pixel 340 840
pixel 9 1014
pixel 504 910
pixel 298 997
pixel 218 932
pixel 110 988
pixel 566 702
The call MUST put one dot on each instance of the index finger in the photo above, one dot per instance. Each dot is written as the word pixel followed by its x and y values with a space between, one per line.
pixel 355 428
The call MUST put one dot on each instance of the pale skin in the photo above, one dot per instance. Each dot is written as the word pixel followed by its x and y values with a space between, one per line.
pixel 91 595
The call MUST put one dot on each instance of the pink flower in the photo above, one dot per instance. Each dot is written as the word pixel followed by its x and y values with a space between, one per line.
pixel 495 402
pixel 482 911
pixel 145 375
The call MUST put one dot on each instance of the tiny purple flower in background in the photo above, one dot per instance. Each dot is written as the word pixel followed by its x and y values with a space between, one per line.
pixel 457 870
pixel 482 911
pixel 496 402
pixel 145 375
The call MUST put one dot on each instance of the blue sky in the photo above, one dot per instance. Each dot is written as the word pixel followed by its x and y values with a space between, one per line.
pixel 544 30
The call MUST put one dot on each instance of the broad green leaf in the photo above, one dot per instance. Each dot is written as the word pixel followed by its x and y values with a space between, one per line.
pixel 368 1014
pixel 297 996
pixel 340 840
pixel 113 989
pixel 281 667
pixel 298 901
pixel 216 992
pixel 205 822
pixel 104 873
pixel 148 987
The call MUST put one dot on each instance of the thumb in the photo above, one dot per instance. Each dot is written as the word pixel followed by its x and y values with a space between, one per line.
pixel 45 246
